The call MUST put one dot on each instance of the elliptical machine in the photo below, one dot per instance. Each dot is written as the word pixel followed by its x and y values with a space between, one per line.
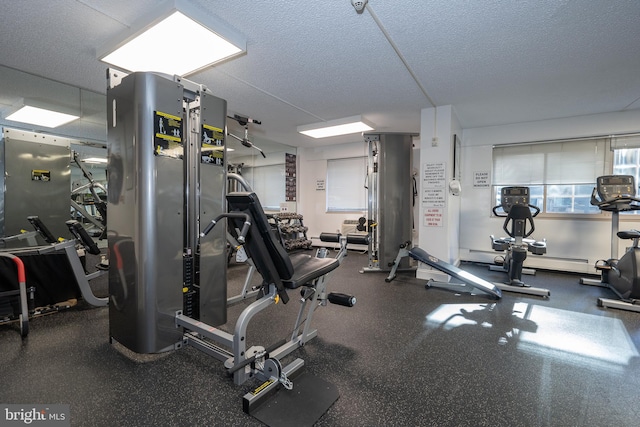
pixel 615 194
pixel 517 212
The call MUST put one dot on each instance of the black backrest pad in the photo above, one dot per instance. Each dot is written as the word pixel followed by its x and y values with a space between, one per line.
pixel 39 226
pixel 264 249
pixel 81 234
pixel 520 214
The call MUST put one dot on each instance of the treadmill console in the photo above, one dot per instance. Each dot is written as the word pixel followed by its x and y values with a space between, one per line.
pixel 510 196
pixel 612 187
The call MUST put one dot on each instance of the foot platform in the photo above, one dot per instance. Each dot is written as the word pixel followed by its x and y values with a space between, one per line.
pixel 302 403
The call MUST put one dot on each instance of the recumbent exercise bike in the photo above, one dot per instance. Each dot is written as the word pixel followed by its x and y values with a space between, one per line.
pixel 615 194
pixel 518 214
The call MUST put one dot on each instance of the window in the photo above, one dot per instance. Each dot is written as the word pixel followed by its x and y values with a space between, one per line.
pixel 560 175
pixel 268 182
pixel 626 158
pixel 346 184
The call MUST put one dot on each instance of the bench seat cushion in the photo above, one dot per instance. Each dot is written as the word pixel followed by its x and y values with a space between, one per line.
pixel 308 268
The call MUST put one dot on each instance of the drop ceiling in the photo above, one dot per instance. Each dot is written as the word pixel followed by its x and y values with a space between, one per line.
pixel 495 61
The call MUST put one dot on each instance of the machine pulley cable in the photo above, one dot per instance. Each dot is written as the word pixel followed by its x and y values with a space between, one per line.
pixel 244 121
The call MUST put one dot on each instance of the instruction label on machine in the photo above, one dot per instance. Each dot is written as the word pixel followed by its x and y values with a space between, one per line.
pixel 212 145
pixel 167 129
pixel 40 175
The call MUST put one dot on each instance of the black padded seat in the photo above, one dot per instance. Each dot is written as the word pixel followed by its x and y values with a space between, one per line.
pixel 629 234
pixel 273 263
pixel 307 268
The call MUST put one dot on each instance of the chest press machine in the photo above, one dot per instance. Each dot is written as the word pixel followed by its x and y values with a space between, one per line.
pixel 167 278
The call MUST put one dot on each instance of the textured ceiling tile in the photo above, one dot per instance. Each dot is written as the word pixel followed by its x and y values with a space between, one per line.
pixel 495 61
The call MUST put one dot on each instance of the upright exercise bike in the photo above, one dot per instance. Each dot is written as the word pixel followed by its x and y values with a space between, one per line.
pixel 615 194
pixel 518 224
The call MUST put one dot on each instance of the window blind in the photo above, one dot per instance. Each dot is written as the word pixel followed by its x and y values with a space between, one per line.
pixel 565 162
pixel 345 184
pixel 268 182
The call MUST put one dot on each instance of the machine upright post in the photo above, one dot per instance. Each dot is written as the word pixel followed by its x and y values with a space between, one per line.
pixel 389 191
pixel 160 188
pixel 146 211
pixel 373 196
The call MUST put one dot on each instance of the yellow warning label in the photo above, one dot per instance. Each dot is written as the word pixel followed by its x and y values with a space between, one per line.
pixel 168 135
pixel 262 387
pixel 168 116
pixel 213 128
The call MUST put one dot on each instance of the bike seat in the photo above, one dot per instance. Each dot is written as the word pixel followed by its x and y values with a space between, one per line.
pixel 629 234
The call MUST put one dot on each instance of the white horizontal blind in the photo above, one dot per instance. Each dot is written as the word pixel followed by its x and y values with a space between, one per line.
pixel 563 162
pixel 625 141
pixel 268 182
pixel 345 184
pixel 514 165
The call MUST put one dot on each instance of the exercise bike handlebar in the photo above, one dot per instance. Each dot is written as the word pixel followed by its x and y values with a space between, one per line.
pixel 529 218
pixel 624 200
pixel 241 215
pixel 536 210
pixel 527 234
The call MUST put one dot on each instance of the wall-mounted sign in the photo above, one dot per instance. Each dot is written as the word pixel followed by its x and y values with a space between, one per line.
pixel 481 179
pixel 433 175
pixel 433 217
pixel 433 185
pixel 434 197
pixel 290 172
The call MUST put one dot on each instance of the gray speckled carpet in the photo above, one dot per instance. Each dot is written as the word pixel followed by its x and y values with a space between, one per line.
pixel 403 356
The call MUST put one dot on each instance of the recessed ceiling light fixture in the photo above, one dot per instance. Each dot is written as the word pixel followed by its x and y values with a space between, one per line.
pixel 42 114
pixel 95 160
pixel 180 40
pixel 353 124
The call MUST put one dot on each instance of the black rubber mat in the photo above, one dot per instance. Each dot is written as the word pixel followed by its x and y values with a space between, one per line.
pixel 302 406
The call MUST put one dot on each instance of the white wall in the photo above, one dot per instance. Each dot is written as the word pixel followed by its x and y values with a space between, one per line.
pixel 312 204
pixel 572 245
pixel 439 240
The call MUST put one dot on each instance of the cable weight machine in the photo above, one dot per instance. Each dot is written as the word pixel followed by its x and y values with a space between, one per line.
pixel 168 219
pixel 389 194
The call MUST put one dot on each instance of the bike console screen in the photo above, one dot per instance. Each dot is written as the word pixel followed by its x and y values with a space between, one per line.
pixel 612 187
pixel 510 196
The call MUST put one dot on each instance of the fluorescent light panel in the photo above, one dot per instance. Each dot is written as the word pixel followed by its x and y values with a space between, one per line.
pixel 177 45
pixel 95 160
pixel 330 128
pixel 41 116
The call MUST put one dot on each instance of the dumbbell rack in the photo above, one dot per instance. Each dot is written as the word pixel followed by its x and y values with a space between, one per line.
pixel 293 232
